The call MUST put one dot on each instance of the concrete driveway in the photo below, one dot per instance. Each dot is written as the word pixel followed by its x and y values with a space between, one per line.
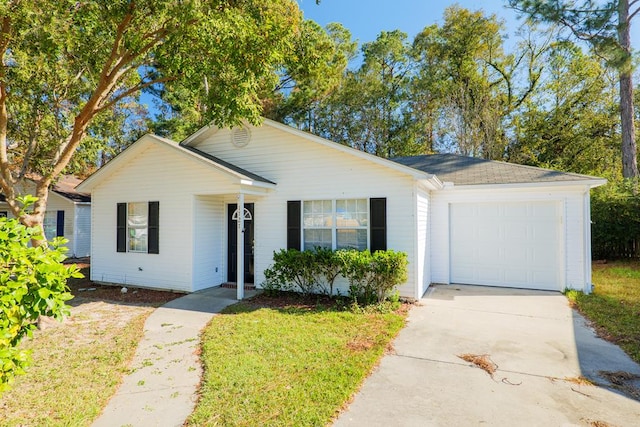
pixel 540 347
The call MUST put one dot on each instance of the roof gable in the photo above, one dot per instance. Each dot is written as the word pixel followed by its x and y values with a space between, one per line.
pixel 244 176
pixel 207 131
pixel 463 170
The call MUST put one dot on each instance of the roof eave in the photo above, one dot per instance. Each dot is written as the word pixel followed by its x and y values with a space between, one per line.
pixel 591 183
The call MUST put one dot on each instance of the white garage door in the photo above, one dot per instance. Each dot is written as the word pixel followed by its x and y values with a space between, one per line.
pixel 515 244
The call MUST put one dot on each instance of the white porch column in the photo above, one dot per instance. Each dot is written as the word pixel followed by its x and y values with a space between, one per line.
pixel 240 248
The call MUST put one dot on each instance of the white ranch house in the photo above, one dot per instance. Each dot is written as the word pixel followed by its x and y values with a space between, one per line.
pixel 166 214
pixel 68 214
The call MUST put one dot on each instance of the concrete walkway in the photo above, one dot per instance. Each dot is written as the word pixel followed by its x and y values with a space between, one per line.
pixel 541 349
pixel 165 372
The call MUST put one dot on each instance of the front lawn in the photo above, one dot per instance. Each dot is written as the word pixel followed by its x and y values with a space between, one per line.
pixel 293 365
pixel 77 366
pixel 614 306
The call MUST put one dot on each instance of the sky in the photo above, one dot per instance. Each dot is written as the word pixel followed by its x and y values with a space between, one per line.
pixel 366 18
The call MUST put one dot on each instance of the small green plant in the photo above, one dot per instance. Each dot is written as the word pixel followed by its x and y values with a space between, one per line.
pixel 33 283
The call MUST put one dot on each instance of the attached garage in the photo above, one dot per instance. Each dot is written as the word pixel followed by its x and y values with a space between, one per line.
pixel 507 225
pixel 511 244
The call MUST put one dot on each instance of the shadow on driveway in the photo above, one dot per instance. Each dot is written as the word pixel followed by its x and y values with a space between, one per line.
pixel 541 350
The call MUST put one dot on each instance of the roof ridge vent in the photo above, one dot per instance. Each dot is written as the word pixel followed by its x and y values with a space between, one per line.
pixel 240 136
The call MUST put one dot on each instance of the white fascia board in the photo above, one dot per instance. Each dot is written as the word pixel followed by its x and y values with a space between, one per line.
pixel 591 183
pixel 193 137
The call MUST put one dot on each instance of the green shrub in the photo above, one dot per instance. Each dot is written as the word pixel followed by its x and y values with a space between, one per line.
pixel 615 215
pixel 328 268
pixel 32 284
pixel 292 270
pixel 371 277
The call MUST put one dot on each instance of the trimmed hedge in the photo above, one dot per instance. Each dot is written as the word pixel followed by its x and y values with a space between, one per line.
pixel 372 277
pixel 615 221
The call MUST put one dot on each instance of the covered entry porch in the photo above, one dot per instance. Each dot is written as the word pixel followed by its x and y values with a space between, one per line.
pixel 224 240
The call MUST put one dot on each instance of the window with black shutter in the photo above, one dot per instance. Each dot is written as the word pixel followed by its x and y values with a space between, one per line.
pixel 154 228
pixel 293 224
pixel 121 229
pixel 378 230
pixel 60 224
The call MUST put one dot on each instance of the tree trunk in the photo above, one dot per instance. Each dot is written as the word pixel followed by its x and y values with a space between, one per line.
pixel 629 153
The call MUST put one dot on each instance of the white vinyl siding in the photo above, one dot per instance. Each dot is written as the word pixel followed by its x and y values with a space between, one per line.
pixel 305 170
pixel 161 174
pixel 423 265
pixel 209 244
pixel 82 231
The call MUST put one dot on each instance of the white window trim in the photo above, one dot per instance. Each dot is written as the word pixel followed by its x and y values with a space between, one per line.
pixel 334 221
pixel 129 250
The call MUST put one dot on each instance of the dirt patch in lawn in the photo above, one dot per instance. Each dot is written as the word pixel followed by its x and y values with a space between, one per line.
pixel 84 289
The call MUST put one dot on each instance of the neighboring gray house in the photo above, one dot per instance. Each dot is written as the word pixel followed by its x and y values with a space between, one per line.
pixel 68 214
pixel 213 208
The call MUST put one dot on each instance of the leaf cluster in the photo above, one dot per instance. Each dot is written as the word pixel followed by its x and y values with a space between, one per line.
pixel 32 284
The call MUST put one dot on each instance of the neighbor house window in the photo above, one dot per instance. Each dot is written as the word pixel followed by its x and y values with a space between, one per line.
pixel 53 224
pixel 335 224
pixel 50 224
pixel 138 227
pixel 3 214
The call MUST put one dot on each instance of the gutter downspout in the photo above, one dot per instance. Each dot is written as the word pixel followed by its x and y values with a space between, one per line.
pixel 588 286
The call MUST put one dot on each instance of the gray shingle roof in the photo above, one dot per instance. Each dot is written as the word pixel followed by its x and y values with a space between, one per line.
pixel 462 170
pixel 227 165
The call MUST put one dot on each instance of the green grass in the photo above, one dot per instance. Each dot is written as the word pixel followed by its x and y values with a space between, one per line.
pixel 293 366
pixel 75 370
pixel 614 306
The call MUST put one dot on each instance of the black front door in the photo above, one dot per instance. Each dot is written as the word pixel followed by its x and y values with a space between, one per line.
pixel 232 244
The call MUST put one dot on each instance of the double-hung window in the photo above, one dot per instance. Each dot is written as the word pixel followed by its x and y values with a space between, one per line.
pixel 335 224
pixel 138 227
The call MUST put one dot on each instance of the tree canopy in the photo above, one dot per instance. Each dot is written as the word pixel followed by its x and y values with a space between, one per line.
pixel 71 69
pixel 606 26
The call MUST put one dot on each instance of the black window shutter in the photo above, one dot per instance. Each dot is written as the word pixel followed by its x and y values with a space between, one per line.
pixel 154 228
pixel 378 213
pixel 60 224
pixel 293 224
pixel 121 234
